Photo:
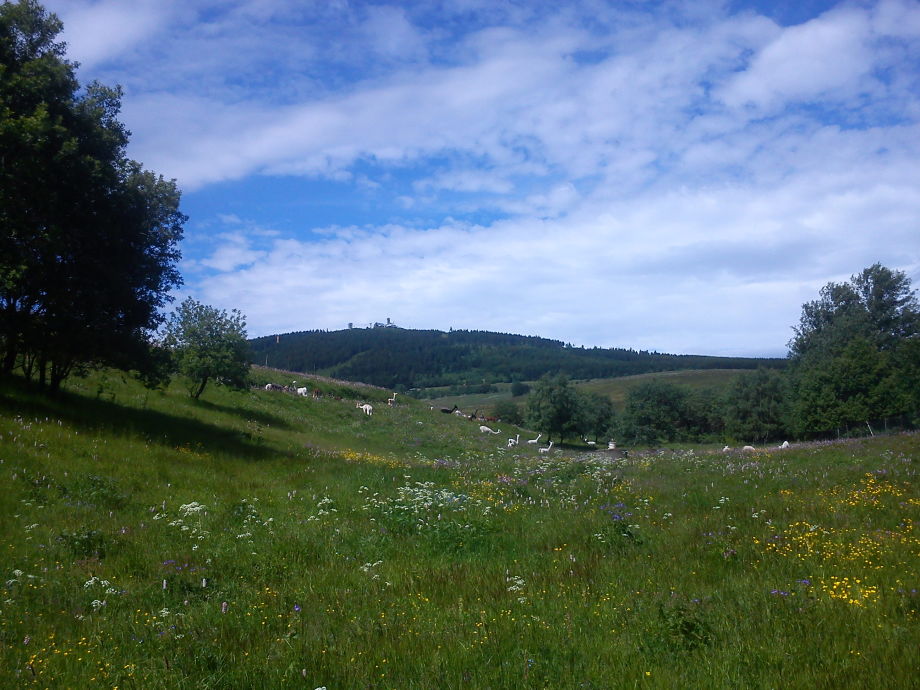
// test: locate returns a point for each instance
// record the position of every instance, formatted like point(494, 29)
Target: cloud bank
point(650, 175)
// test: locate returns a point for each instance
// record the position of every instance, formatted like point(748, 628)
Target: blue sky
point(672, 176)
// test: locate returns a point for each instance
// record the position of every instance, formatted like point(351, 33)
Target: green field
point(260, 539)
point(693, 379)
point(616, 388)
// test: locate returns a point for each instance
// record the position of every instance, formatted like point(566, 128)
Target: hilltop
point(406, 359)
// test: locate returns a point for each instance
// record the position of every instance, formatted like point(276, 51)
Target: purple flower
point(297, 607)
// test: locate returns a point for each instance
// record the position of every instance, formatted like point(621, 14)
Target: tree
point(508, 411)
point(207, 344)
point(654, 412)
point(553, 406)
point(518, 388)
point(596, 416)
point(851, 354)
point(89, 241)
point(756, 406)
point(877, 303)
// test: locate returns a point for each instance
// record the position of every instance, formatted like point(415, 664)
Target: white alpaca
point(514, 441)
point(726, 449)
point(536, 440)
point(485, 429)
point(547, 449)
point(303, 391)
point(367, 409)
point(590, 443)
point(748, 449)
point(392, 401)
point(785, 444)
point(611, 445)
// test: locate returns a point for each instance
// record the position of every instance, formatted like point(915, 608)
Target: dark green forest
point(405, 359)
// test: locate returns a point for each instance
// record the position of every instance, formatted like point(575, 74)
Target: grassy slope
point(695, 379)
point(257, 539)
point(616, 388)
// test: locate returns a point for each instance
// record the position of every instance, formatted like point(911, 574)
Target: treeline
point(854, 369)
point(404, 359)
point(89, 239)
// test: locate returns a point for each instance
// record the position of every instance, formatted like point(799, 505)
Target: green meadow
point(263, 539)
point(616, 388)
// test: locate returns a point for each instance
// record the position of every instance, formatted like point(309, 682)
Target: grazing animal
point(273, 387)
point(485, 429)
point(611, 445)
point(590, 443)
point(726, 449)
point(785, 444)
point(514, 441)
point(303, 391)
point(748, 449)
point(547, 449)
point(536, 440)
point(368, 409)
point(447, 410)
point(392, 401)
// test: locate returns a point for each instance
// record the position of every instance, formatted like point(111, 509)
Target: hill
point(420, 359)
point(614, 388)
point(261, 539)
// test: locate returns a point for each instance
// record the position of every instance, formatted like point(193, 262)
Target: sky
point(670, 176)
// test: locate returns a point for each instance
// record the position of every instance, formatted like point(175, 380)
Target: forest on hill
point(405, 359)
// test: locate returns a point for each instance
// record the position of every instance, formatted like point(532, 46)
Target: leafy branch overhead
point(89, 247)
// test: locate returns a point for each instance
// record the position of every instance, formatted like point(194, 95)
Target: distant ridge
point(396, 357)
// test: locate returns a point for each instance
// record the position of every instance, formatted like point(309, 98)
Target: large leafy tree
point(655, 411)
point(877, 303)
point(853, 350)
point(88, 239)
point(208, 344)
point(756, 406)
point(596, 416)
point(553, 406)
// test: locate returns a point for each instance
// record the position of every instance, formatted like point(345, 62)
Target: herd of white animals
point(368, 409)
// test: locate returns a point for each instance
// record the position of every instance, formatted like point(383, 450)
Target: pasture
point(262, 539)
point(615, 388)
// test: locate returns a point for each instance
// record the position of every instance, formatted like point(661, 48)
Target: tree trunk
point(204, 382)
point(9, 358)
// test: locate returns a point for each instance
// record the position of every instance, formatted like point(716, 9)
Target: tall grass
point(259, 539)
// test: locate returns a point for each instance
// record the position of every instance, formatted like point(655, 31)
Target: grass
point(692, 379)
point(260, 539)
point(615, 388)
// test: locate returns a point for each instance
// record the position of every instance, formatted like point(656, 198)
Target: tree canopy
point(89, 241)
point(854, 353)
point(208, 344)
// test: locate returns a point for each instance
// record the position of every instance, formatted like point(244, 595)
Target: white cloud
point(105, 29)
point(232, 252)
point(665, 180)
